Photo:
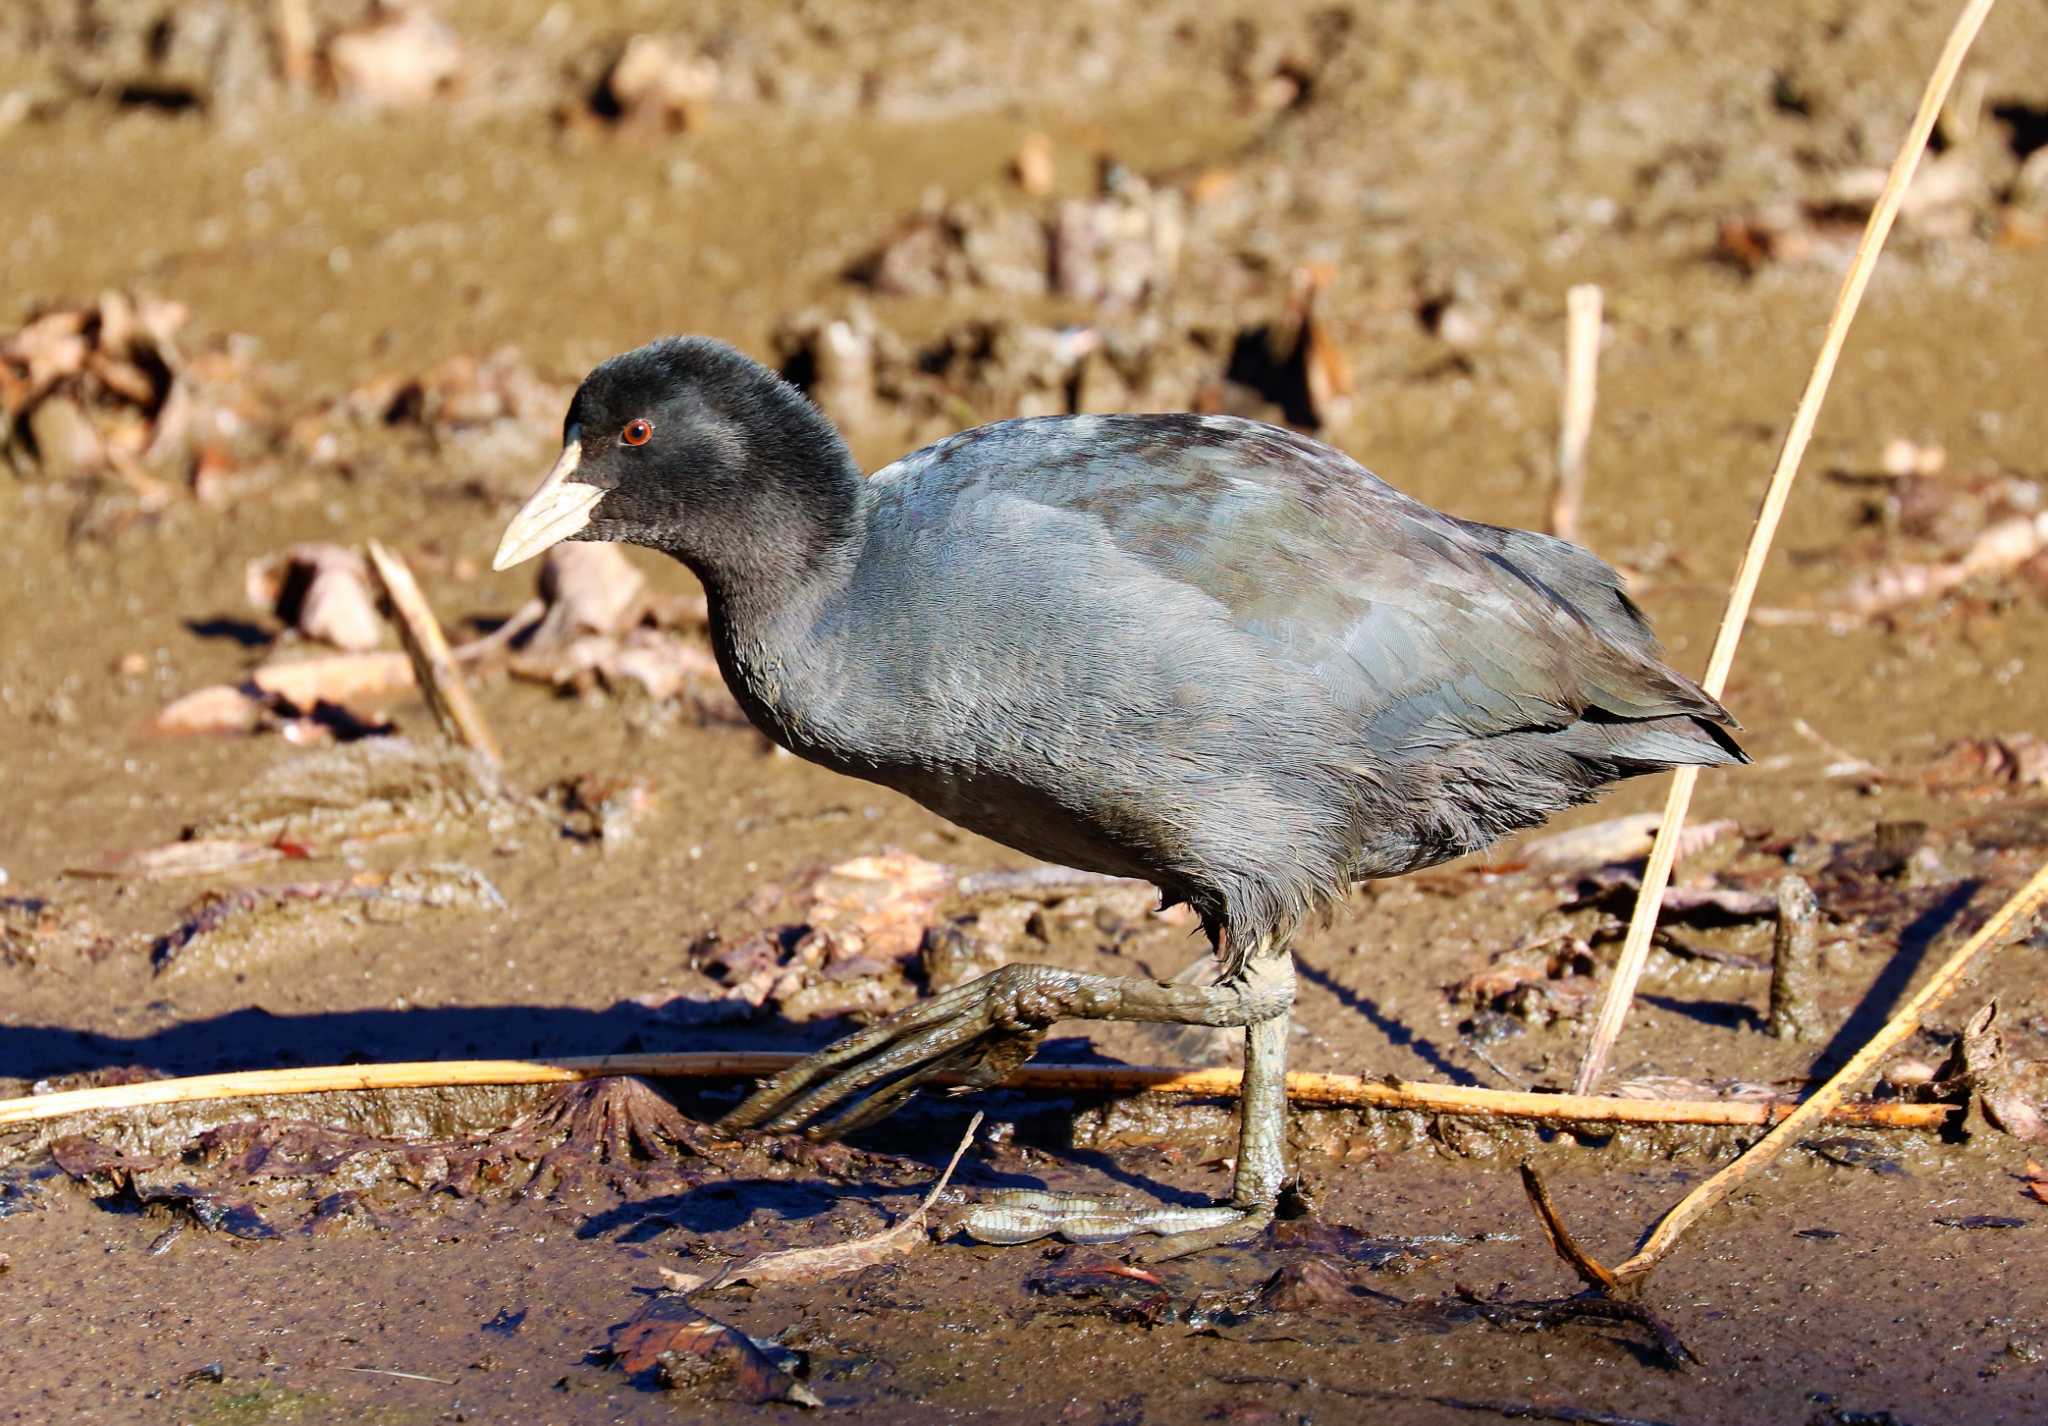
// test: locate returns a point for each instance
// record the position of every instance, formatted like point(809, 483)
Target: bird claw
point(972, 1032)
point(1023, 1215)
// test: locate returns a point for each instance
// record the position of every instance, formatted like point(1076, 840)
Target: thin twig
point(1636, 948)
point(1325, 1090)
point(1846, 763)
point(1592, 1272)
point(294, 43)
point(1627, 1278)
point(1581, 380)
point(440, 678)
point(832, 1259)
point(1765, 1151)
point(404, 1376)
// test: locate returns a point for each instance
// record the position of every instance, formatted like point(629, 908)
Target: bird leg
point(984, 1029)
point(1021, 1215)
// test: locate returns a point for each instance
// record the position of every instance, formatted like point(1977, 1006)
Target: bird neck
point(803, 535)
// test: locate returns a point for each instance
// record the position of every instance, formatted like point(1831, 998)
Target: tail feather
point(1651, 745)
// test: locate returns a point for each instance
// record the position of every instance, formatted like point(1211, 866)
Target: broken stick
point(831, 1259)
point(1332, 1090)
point(1581, 381)
point(447, 692)
point(1642, 924)
point(1627, 1277)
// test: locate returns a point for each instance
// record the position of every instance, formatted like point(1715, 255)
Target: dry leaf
point(2036, 1185)
point(1997, 550)
point(402, 56)
point(220, 708)
point(1617, 839)
point(683, 1348)
point(654, 82)
point(838, 1259)
point(201, 856)
point(2016, 760)
point(878, 906)
point(2009, 1091)
point(335, 678)
point(322, 590)
point(588, 589)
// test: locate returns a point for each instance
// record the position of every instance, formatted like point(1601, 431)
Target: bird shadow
point(723, 1206)
point(1885, 992)
point(1393, 1031)
point(255, 1038)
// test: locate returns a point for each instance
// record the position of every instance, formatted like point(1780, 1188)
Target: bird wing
point(1429, 630)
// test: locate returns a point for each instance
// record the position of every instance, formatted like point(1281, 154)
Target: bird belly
point(1026, 819)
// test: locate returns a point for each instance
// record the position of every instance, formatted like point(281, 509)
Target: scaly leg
point(987, 1027)
point(1021, 1215)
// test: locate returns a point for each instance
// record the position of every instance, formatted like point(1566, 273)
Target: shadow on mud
point(254, 1038)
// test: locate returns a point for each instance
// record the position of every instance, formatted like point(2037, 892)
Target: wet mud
point(278, 280)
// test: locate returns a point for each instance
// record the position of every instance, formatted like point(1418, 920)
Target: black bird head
point(689, 447)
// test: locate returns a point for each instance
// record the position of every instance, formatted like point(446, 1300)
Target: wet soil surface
point(389, 270)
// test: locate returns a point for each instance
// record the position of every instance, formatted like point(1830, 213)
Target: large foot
point(1023, 1215)
point(980, 1032)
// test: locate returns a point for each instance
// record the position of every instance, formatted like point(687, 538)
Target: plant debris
point(1544, 982)
point(612, 1134)
point(107, 389)
point(1989, 766)
point(401, 54)
point(2034, 1182)
point(865, 922)
point(657, 85)
point(672, 1345)
point(1617, 839)
point(2008, 1094)
point(830, 1260)
point(234, 928)
point(322, 591)
point(34, 928)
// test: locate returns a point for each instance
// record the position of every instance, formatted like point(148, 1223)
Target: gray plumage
point(1199, 650)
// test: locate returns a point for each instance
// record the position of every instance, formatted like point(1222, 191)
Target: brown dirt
point(1438, 158)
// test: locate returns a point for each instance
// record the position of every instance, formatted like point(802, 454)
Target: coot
point(1200, 650)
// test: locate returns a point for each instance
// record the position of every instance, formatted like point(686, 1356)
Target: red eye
point(636, 433)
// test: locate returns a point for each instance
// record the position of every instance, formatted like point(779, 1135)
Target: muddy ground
point(1025, 208)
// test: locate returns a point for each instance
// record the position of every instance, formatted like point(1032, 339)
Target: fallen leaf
point(587, 589)
point(2017, 760)
point(2009, 1091)
point(654, 82)
point(683, 1347)
point(1618, 839)
point(878, 906)
point(1997, 550)
point(837, 1259)
point(220, 708)
point(1033, 165)
point(200, 856)
point(2035, 1184)
point(404, 55)
point(322, 590)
